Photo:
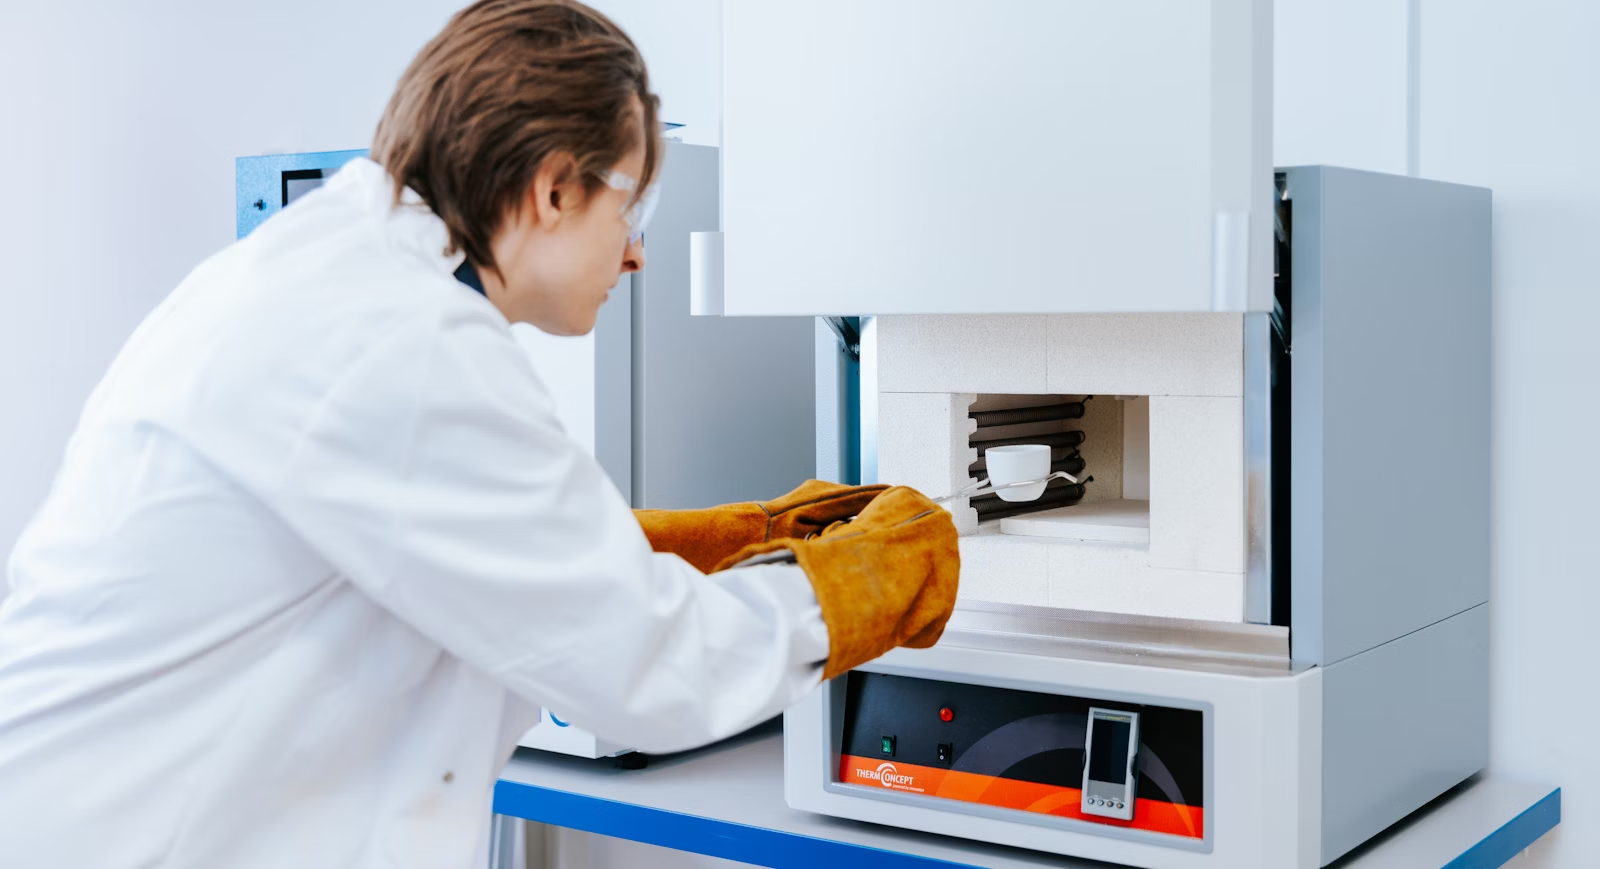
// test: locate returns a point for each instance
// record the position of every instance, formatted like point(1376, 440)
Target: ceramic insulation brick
point(927, 353)
point(995, 568)
point(1102, 577)
point(922, 443)
point(1120, 579)
point(934, 369)
point(1146, 354)
point(1197, 483)
point(1099, 354)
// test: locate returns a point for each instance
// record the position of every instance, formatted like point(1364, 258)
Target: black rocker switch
point(946, 750)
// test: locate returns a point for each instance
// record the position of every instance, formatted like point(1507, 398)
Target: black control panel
point(1012, 748)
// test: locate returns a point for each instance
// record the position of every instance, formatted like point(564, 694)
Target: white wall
point(120, 124)
point(1508, 98)
point(1339, 84)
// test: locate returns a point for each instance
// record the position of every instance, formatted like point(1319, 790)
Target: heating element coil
point(1018, 416)
point(1064, 455)
point(1057, 439)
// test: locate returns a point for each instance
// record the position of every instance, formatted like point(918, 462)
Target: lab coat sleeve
point(436, 477)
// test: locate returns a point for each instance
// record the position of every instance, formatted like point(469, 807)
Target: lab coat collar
point(467, 274)
point(411, 225)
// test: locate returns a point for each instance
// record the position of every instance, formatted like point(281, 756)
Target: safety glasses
point(639, 211)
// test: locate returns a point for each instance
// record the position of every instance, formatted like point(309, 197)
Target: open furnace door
point(1017, 156)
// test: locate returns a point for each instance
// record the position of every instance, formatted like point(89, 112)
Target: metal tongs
point(983, 486)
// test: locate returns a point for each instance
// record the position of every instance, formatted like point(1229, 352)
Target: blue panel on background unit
point(260, 186)
point(259, 182)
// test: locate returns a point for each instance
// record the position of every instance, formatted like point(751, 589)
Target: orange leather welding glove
point(705, 537)
point(888, 578)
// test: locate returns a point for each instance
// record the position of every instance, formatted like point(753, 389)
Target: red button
point(946, 714)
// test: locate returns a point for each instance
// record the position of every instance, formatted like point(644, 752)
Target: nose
point(633, 256)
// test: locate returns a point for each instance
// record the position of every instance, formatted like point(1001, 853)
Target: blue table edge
point(1497, 848)
point(778, 848)
point(684, 832)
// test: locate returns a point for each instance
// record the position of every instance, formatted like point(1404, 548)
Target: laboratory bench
point(726, 801)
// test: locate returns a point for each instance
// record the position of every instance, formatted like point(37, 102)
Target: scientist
point(319, 547)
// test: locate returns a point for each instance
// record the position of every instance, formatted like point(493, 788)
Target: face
point(561, 253)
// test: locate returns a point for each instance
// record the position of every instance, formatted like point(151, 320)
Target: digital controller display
point(1108, 752)
point(1109, 781)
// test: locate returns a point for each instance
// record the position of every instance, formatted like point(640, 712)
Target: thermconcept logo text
point(886, 775)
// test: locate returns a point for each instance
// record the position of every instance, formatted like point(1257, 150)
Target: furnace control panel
point(1138, 766)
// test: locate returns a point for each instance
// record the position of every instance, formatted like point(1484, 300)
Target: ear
point(554, 192)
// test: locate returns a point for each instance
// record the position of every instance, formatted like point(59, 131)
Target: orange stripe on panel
point(1063, 802)
point(1163, 817)
point(1014, 794)
point(1153, 815)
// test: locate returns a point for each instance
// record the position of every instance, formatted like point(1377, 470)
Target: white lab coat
point(317, 552)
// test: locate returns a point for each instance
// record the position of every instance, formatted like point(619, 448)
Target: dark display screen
point(1108, 750)
point(299, 182)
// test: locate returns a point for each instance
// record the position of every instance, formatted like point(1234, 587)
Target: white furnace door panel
point(1019, 156)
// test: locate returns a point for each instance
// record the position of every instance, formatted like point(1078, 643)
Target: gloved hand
point(706, 537)
point(886, 579)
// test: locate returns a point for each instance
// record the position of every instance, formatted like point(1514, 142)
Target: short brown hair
point(505, 86)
